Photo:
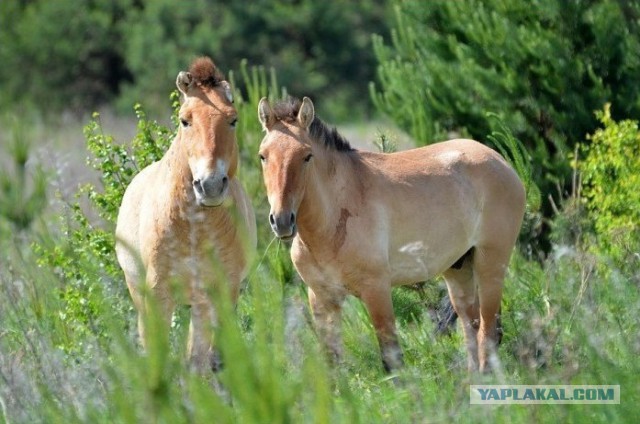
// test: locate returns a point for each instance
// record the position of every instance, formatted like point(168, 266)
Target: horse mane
point(287, 111)
point(205, 73)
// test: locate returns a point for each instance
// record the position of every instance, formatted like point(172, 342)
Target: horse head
point(286, 155)
point(207, 130)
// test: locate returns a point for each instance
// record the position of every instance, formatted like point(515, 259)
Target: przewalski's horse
point(364, 222)
point(185, 222)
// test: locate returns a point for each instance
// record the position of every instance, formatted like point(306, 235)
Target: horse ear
point(265, 114)
point(184, 81)
point(228, 93)
point(306, 113)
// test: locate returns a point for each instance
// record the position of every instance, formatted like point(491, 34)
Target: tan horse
point(185, 221)
point(364, 222)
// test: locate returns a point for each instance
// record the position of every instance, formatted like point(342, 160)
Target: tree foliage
point(61, 55)
point(543, 66)
point(79, 54)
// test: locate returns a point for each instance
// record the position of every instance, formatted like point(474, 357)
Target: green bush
point(611, 177)
point(85, 260)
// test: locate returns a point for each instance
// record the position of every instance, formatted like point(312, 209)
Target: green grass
point(274, 370)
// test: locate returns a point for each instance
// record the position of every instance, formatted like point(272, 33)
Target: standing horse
point(186, 218)
point(364, 222)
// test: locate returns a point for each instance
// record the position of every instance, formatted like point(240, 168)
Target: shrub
point(85, 261)
point(611, 177)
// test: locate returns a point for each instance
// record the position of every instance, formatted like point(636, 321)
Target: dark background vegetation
point(81, 54)
point(563, 77)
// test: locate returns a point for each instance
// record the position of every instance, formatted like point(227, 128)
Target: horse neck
point(326, 191)
point(178, 174)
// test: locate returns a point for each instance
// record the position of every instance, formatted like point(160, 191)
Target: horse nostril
point(272, 220)
point(293, 218)
point(225, 180)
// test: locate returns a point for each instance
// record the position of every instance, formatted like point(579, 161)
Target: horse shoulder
point(320, 274)
point(135, 210)
point(128, 242)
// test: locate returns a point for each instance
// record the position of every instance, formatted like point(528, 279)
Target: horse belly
point(417, 253)
point(413, 263)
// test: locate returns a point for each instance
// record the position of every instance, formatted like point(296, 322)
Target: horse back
point(432, 204)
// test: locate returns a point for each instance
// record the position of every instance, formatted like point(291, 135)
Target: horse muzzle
point(211, 191)
point(283, 225)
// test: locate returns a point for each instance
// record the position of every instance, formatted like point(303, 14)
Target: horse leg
point(138, 301)
point(377, 299)
point(463, 295)
point(201, 351)
point(327, 315)
point(135, 278)
point(156, 312)
point(200, 342)
point(489, 268)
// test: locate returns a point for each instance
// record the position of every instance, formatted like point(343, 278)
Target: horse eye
point(234, 122)
point(184, 122)
point(308, 158)
point(262, 158)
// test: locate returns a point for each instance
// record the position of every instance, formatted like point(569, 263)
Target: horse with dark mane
point(363, 222)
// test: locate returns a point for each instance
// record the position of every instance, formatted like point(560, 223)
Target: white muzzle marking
point(210, 186)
